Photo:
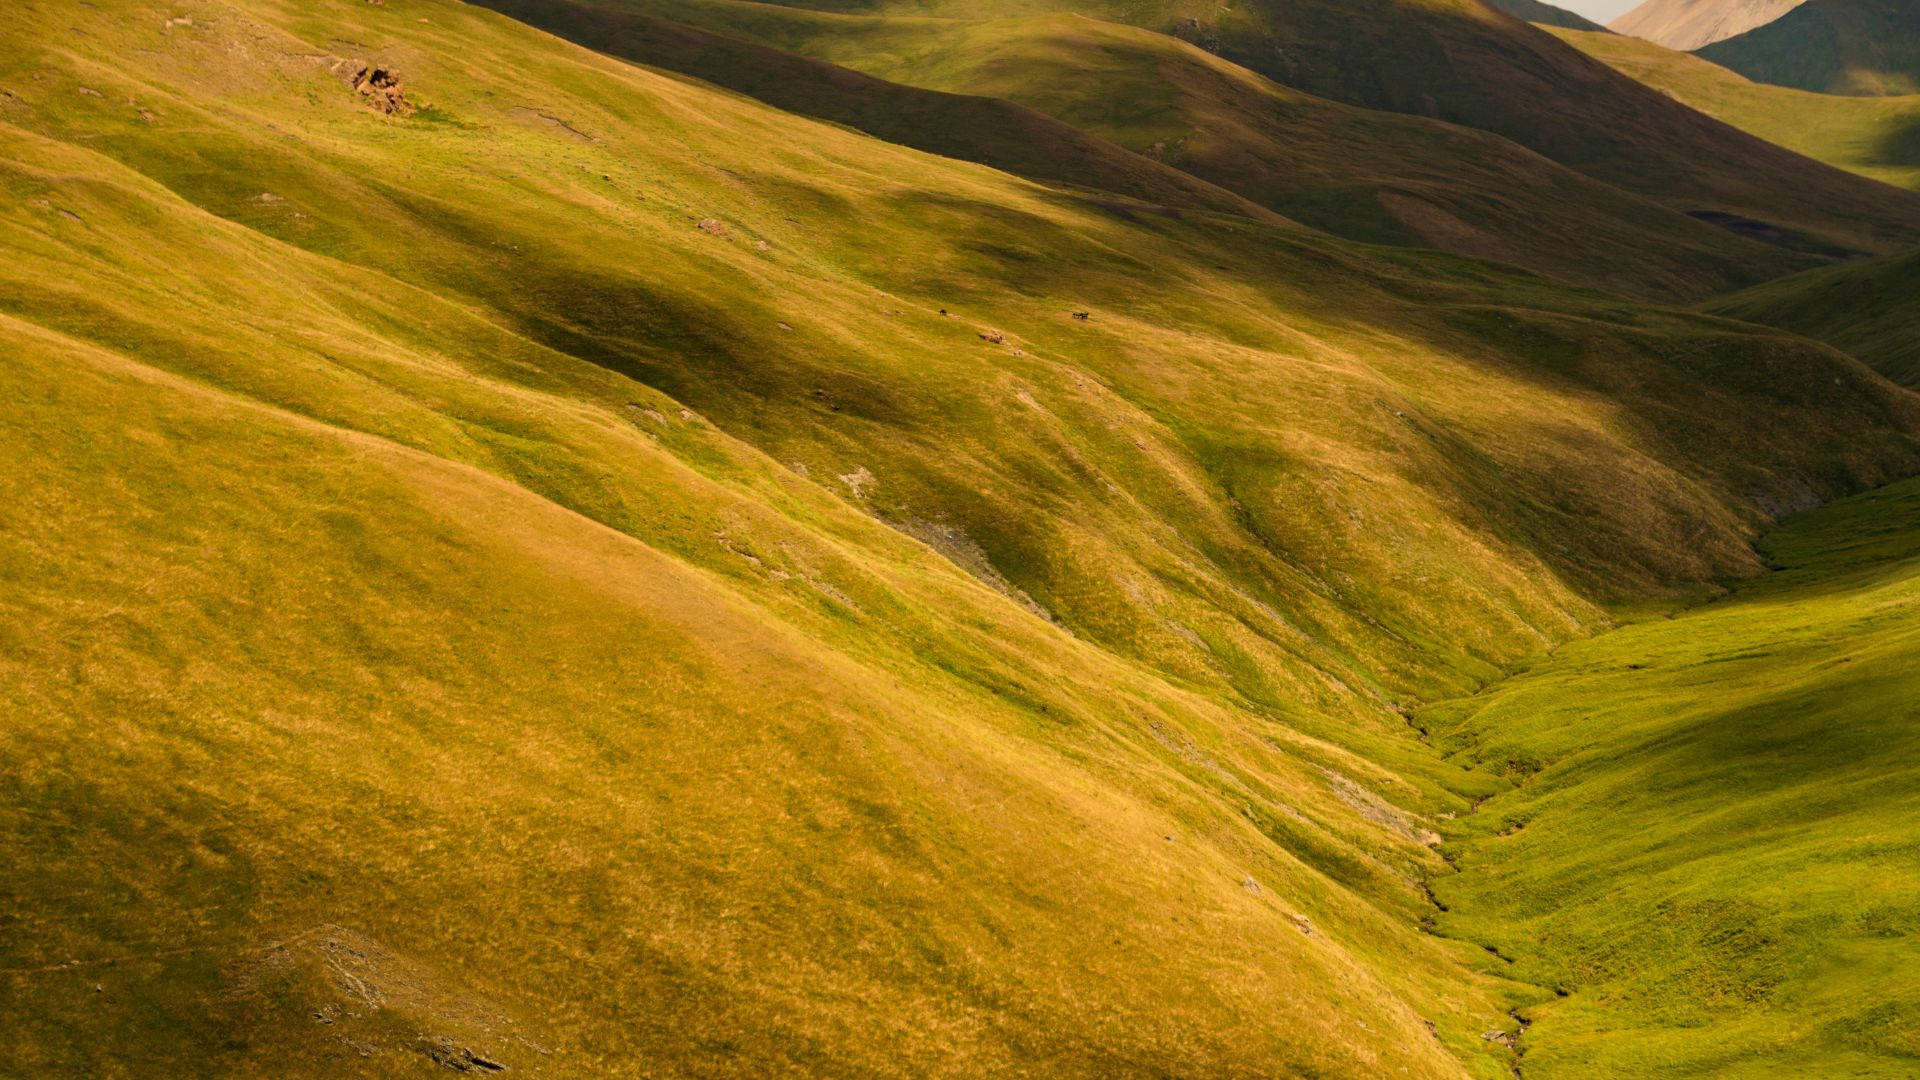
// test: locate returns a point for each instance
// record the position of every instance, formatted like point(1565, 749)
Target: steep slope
point(1362, 174)
point(1869, 309)
point(1877, 137)
point(1832, 47)
point(1534, 11)
point(1459, 61)
point(988, 130)
point(1445, 58)
point(523, 559)
point(1686, 25)
point(1709, 840)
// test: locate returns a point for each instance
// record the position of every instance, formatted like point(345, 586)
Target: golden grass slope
point(756, 784)
point(1877, 137)
point(464, 596)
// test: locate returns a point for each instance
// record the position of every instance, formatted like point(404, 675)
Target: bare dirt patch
point(379, 86)
point(362, 1000)
point(961, 550)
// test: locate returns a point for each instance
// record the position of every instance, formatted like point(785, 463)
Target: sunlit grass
point(464, 575)
point(1711, 840)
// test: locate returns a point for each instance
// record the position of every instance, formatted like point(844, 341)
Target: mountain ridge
point(1458, 61)
point(1370, 176)
point(1535, 11)
point(1686, 25)
point(1831, 47)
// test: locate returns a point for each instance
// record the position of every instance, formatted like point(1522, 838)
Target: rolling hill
point(1867, 309)
point(1685, 25)
point(1459, 62)
point(1877, 137)
point(1831, 47)
point(518, 560)
point(1363, 174)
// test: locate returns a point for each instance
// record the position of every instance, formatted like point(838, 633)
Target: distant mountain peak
point(1687, 25)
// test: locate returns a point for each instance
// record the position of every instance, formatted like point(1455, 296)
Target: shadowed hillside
point(984, 129)
point(1458, 61)
point(1873, 136)
point(1534, 11)
point(1870, 309)
point(1366, 175)
point(1832, 47)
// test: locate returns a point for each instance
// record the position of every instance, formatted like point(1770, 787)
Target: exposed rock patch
point(857, 481)
point(379, 86)
point(1378, 810)
point(366, 1001)
point(961, 550)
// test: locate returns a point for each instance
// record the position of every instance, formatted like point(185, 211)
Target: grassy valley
point(760, 551)
point(1707, 848)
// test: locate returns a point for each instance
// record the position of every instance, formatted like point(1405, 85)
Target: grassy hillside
point(988, 130)
point(1688, 24)
point(1709, 841)
point(1831, 46)
point(1367, 175)
point(1458, 61)
point(532, 560)
point(1868, 309)
point(1534, 11)
point(408, 680)
point(1877, 137)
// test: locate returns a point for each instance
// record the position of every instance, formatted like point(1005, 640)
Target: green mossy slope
point(1710, 839)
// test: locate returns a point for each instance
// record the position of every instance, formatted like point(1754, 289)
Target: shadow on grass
point(1900, 146)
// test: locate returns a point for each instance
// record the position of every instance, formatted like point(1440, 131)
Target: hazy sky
point(1600, 11)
